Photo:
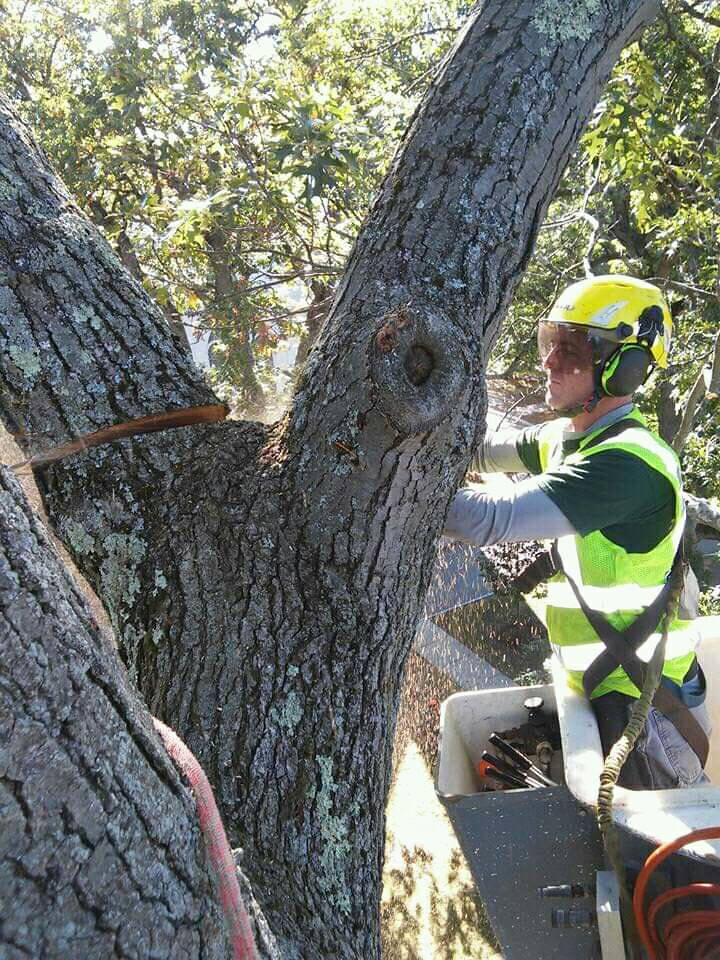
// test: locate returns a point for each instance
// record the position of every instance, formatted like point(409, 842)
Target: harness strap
point(632, 638)
point(621, 647)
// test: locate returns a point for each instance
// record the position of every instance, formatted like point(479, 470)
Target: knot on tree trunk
point(420, 368)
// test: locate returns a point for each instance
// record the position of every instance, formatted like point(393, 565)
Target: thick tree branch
point(706, 383)
point(66, 332)
point(702, 511)
point(101, 852)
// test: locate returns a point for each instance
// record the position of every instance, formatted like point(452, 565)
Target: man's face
point(567, 360)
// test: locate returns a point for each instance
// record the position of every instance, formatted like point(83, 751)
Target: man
point(608, 491)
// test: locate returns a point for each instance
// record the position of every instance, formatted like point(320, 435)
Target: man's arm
point(613, 491)
point(498, 453)
point(508, 451)
point(525, 513)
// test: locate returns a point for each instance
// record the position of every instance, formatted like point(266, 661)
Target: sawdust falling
point(430, 909)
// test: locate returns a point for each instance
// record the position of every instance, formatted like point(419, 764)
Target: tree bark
point(130, 261)
point(666, 409)
point(265, 583)
point(100, 852)
point(316, 314)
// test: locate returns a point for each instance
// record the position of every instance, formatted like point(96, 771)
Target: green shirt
point(616, 492)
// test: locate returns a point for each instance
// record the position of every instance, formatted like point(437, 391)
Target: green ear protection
point(625, 370)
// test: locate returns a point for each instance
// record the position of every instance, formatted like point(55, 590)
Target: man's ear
point(625, 370)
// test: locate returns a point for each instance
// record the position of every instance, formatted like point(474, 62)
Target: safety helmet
point(625, 322)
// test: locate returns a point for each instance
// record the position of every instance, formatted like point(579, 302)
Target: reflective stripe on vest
point(579, 656)
point(612, 581)
point(603, 599)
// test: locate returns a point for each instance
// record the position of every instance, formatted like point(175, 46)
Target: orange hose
point(682, 929)
point(699, 889)
point(706, 946)
point(651, 864)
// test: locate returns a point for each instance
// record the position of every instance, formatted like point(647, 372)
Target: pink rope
point(218, 848)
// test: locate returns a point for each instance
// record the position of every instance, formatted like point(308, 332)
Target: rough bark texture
point(100, 854)
point(130, 261)
point(265, 583)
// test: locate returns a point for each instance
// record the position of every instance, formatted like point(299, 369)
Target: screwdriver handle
point(502, 764)
point(505, 778)
point(527, 779)
point(507, 748)
point(520, 759)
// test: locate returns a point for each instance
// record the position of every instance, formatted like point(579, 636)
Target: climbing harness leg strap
point(621, 649)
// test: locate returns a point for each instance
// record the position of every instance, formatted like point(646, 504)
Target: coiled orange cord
point(692, 935)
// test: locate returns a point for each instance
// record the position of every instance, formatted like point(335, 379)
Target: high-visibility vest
point(611, 580)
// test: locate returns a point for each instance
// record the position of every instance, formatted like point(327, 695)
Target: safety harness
point(621, 645)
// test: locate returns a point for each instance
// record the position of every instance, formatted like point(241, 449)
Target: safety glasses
point(567, 348)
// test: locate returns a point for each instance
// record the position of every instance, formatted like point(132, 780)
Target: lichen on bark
point(100, 851)
point(559, 22)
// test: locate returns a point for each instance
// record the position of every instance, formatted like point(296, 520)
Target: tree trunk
point(100, 852)
point(265, 583)
point(226, 304)
point(316, 314)
point(666, 409)
point(704, 512)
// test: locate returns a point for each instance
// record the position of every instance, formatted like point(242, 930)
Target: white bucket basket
point(657, 816)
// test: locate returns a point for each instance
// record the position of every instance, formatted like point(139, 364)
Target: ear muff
point(625, 370)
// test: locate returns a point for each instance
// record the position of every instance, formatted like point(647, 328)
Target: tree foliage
point(640, 197)
point(230, 152)
point(227, 149)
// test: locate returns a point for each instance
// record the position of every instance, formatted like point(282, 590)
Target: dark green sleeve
point(528, 448)
point(615, 492)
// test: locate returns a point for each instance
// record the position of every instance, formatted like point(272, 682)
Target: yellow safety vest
point(611, 580)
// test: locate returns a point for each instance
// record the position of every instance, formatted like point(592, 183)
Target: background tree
point(640, 196)
point(226, 150)
point(264, 583)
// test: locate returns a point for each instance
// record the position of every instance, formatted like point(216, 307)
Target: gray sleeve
point(525, 513)
point(498, 454)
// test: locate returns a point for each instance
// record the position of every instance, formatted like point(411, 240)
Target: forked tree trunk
point(100, 854)
point(265, 583)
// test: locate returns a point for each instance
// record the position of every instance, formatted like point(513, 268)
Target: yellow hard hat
point(619, 309)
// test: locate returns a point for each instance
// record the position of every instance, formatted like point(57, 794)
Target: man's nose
point(550, 361)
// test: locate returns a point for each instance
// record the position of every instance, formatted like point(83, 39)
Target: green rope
point(620, 752)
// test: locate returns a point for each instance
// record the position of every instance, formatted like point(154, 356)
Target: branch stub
point(420, 368)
